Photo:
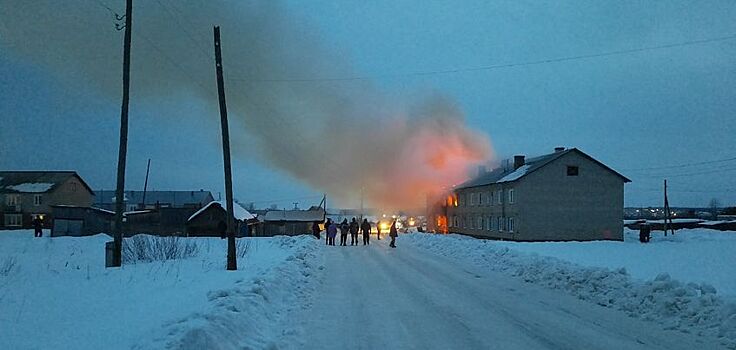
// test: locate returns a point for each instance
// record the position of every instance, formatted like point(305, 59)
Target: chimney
point(559, 149)
point(518, 161)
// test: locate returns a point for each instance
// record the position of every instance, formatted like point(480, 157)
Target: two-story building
point(564, 195)
point(25, 195)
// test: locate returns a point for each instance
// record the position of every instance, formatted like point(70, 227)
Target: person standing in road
point(378, 230)
point(327, 236)
point(393, 234)
point(316, 229)
point(365, 227)
point(344, 229)
point(353, 232)
point(331, 233)
point(37, 227)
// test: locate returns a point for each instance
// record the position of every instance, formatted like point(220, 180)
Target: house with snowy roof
point(562, 196)
point(211, 219)
point(134, 200)
point(25, 195)
point(289, 222)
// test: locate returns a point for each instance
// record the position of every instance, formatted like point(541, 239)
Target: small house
point(208, 221)
point(288, 222)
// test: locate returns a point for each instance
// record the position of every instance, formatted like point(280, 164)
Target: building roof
point(239, 213)
point(36, 181)
point(501, 175)
point(174, 198)
point(294, 215)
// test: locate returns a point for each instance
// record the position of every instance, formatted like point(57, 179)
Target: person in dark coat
point(327, 237)
point(645, 233)
point(378, 230)
point(38, 227)
point(331, 233)
point(393, 234)
point(365, 227)
point(344, 229)
point(353, 232)
point(315, 229)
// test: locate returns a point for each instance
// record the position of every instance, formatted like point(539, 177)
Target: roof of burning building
point(501, 175)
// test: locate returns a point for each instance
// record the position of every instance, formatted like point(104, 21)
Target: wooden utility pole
point(145, 185)
point(123, 150)
point(232, 263)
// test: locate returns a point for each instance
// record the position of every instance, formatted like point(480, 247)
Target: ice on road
point(376, 297)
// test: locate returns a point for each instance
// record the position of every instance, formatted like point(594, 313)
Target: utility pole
point(123, 150)
point(667, 211)
point(145, 185)
point(231, 258)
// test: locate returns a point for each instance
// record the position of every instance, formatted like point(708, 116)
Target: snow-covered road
point(381, 298)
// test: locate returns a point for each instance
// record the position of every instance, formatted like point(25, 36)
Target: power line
point(496, 66)
point(685, 165)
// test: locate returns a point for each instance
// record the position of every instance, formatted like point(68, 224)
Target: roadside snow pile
point(251, 314)
point(691, 255)
point(687, 307)
point(61, 285)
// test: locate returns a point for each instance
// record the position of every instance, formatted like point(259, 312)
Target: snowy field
point(56, 293)
point(628, 276)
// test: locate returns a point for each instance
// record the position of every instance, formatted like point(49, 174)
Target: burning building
point(564, 195)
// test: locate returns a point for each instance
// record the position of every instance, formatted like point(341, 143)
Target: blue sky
point(657, 108)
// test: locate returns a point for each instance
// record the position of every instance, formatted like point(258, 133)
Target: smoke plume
point(337, 136)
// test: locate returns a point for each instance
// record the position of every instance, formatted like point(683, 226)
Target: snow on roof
point(294, 215)
point(134, 212)
point(39, 187)
point(674, 221)
point(239, 213)
point(521, 171)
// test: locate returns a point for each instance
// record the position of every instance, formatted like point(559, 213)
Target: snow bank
point(250, 314)
point(56, 293)
point(687, 307)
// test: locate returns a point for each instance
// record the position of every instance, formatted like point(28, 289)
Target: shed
point(70, 220)
point(206, 222)
point(289, 222)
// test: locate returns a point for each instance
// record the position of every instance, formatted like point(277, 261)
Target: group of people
point(352, 228)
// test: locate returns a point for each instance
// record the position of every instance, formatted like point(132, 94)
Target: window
point(511, 196)
point(13, 219)
point(480, 198)
point(490, 223)
point(499, 196)
point(37, 199)
point(471, 222)
point(455, 221)
point(572, 170)
point(490, 198)
point(479, 223)
point(500, 223)
point(74, 187)
point(12, 199)
point(473, 198)
point(510, 224)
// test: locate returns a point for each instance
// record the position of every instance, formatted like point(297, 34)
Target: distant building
point(565, 195)
point(288, 222)
point(208, 221)
point(25, 195)
point(154, 199)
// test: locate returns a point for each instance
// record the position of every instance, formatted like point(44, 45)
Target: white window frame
point(13, 223)
point(510, 224)
point(479, 222)
point(511, 195)
point(501, 227)
point(37, 199)
point(12, 199)
point(489, 225)
point(490, 198)
point(499, 195)
point(480, 198)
